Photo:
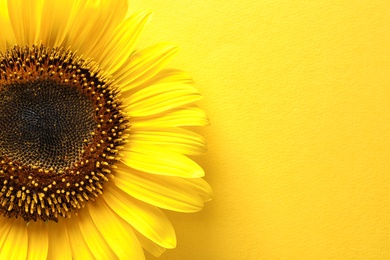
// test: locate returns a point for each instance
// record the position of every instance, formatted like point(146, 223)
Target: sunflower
point(94, 137)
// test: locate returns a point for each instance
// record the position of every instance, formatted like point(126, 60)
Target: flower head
point(93, 139)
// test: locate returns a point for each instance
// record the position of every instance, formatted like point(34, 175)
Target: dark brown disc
point(62, 126)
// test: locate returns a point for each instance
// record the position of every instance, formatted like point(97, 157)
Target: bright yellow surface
point(298, 93)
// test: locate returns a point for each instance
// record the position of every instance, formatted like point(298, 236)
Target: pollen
point(60, 116)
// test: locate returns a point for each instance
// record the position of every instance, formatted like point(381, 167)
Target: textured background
point(298, 93)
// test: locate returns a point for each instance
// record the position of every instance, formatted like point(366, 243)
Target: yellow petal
point(25, 17)
point(122, 240)
point(149, 245)
point(56, 20)
point(59, 247)
point(163, 76)
point(5, 225)
point(93, 23)
point(200, 186)
point(121, 45)
point(95, 241)
point(147, 219)
point(7, 38)
point(143, 65)
point(79, 247)
point(173, 76)
point(15, 244)
point(157, 160)
point(38, 240)
point(189, 116)
point(173, 139)
point(161, 191)
point(160, 98)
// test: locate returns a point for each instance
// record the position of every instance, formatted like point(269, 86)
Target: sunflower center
point(44, 123)
point(61, 129)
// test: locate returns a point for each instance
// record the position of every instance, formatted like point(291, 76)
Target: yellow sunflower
point(93, 137)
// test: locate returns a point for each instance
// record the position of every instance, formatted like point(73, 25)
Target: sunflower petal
point(149, 245)
point(189, 116)
point(200, 186)
point(144, 64)
point(161, 97)
point(7, 38)
point(5, 226)
point(94, 22)
point(147, 219)
point(38, 241)
point(121, 45)
point(56, 21)
point(173, 76)
point(173, 139)
point(121, 240)
point(95, 241)
point(25, 20)
point(157, 160)
point(17, 235)
point(80, 248)
point(161, 191)
point(58, 241)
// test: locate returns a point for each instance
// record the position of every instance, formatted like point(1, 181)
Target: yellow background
point(298, 93)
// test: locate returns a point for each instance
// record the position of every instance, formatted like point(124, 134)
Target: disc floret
point(70, 129)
